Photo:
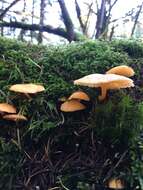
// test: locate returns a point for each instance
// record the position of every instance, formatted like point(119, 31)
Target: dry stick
point(36, 173)
point(64, 187)
point(120, 160)
point(18, 137)
point(54, 188)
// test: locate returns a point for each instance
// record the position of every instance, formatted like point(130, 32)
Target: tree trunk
point(2, 29)
point(136, 19)
point(22, 32)
point(41, 23)
point(67, 21)
point(32, 18)
point(101, 14)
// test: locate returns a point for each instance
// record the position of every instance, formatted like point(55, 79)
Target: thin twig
point(61, 183)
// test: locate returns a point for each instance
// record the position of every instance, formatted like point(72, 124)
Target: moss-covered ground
point(74, 151)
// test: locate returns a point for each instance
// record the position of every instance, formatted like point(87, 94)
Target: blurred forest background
point(62, 21)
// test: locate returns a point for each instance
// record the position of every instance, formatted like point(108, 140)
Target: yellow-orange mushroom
point(122, 70)
point(27, 88)
point(72, 106)
point(105, 82)
point(79, 95)
point(5, 107)
point(116, 184)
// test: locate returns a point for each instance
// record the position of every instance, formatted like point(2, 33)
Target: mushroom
point(105, 82)
point(27, 88)
point(71, 106)
point(116, 184)
point(7, 108)
point(79, 95)
point(16, 118)
point(122, 70)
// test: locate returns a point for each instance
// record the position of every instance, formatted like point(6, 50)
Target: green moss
point(110, 127)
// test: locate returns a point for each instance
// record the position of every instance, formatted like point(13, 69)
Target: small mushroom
point(16, 118)
point(79, 95)
point(72, 106)
point(27, 88)
point(7, 108)
point(116, 184)
point(122, 70)
point(105, 82)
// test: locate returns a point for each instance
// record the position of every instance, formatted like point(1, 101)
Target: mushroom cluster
point(73, 103)
point(116, 78)
point(8, 112)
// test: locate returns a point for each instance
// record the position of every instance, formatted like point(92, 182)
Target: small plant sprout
point(122, 70)
point(79, 95)
point(72, 106)
point(27, 88)
point(62, 99)
point(105, 82)
point(17, 118)
point(116, 184)
point(7, 108)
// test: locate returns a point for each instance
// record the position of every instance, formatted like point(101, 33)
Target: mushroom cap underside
point(15, 117)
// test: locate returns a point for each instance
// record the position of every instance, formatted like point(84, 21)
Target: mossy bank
point(79, 150)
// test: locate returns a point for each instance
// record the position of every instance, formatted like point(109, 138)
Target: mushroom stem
point(103, 93)
point(28, 96)
point(18, 138)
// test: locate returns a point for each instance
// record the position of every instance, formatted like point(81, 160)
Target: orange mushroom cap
point(15, 117)
point(27, 88)
point(4, 107)
point(122, 70)
point(105, 81)
point(71, 106)
point(79, 95)
point(116, 184)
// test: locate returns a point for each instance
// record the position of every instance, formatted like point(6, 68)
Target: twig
point(61, 183)
point(117, 164)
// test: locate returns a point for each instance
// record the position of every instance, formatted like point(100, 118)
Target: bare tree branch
point(88, 15)
point(7, 9)
point(35, 27)
point(78, 12)
point(110, 8)
point(89, 5)
point(67, 21)
point(112, 5)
